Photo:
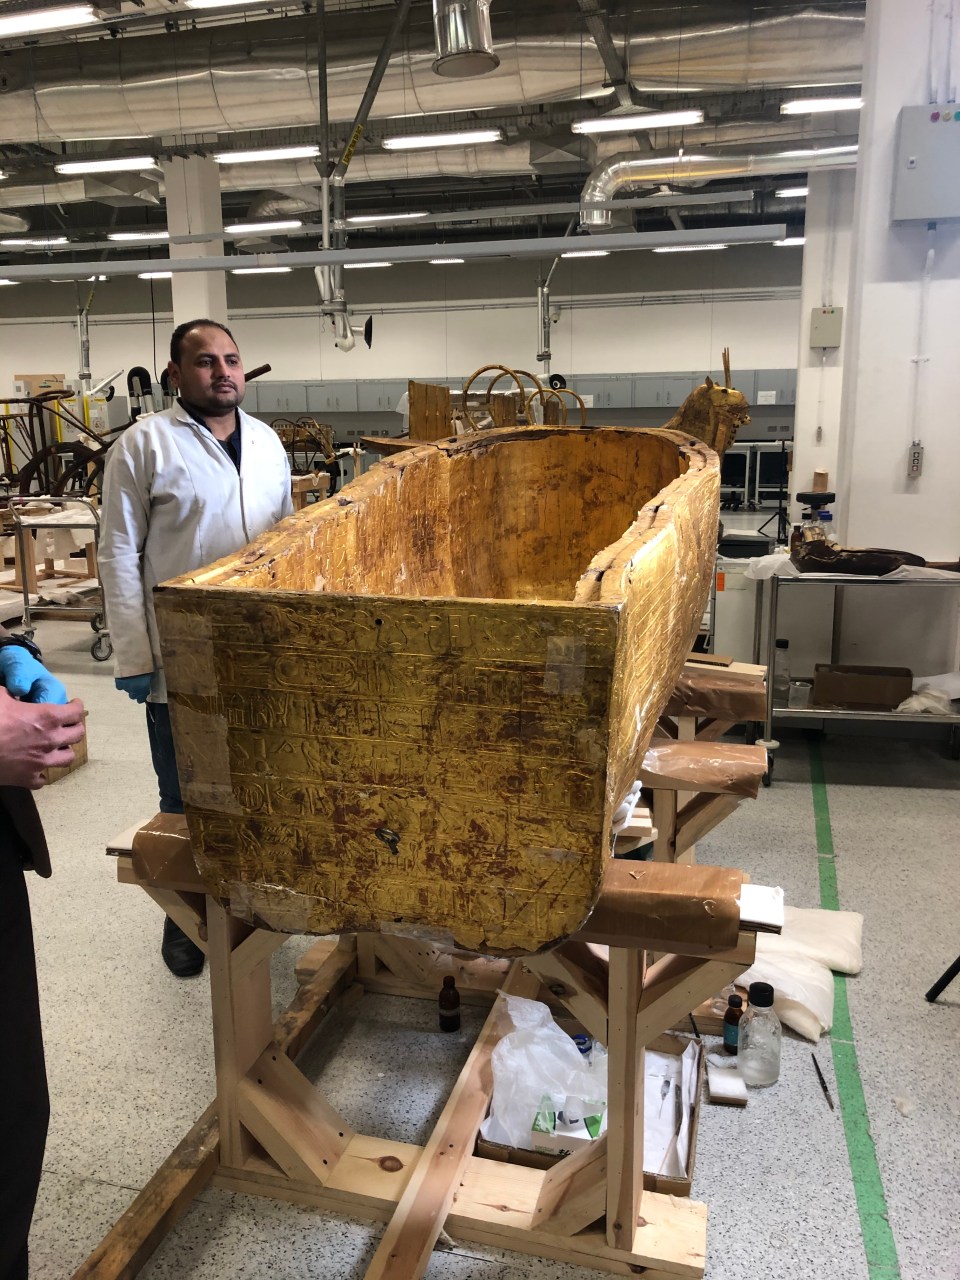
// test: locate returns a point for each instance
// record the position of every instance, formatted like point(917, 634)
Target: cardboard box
point(34, 384)
point(651, 1181)
point(858, 688)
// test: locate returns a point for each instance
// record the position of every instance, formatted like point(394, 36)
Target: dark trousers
point(164, 757)
point(24, 1102)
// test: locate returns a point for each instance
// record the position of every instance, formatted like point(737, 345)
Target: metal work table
point(770, 599)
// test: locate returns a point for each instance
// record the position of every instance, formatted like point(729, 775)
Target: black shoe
point(181, 956)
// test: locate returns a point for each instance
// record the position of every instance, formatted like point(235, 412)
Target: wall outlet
point(915, 460)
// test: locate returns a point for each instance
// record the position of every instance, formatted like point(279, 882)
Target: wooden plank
point(158, 1207)
point(572, 976)
point(496, 1203)
point(404, 1251)
point(314, 959)
point(256, 950)
point(366, 1182)
point(429, 411)
point(624, 1167)
point(242, 1025)
point(332, 986)
point(290, 1119)
point(574, 1192)
point(699, 816)
point(186, 910)
point(676, 984)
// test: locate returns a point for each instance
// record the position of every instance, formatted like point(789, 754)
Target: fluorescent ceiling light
point(817, 151)
point(305, 152)
point(154, 275)
point(371, 219)
point(362, 266)
point(809, 106)
point(426, 141)
point(23, 24)
point(689, 248)
point(219, 4)
point(121, 164)
point(257, 271)
point(586, 253)
point(243, 228)
point(36, 242)
point(786, 192)
point(9, 281)
point(638, 120)
point(791, 242)
point(138, 235)
point(2, 175)
point(444, 262)
point(96, 277)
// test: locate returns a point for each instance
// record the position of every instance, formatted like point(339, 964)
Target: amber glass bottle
point(449, 1001)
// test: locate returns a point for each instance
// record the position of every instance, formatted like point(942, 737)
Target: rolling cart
point(35, 514)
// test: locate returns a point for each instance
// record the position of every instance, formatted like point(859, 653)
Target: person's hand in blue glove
point(25, 678)
point(135, 687)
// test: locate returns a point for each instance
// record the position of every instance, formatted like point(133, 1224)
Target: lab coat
point(172, 502)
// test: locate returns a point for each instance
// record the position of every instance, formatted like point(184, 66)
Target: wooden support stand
point(271, 1133)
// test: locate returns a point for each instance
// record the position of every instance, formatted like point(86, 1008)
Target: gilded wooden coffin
point(416, 706)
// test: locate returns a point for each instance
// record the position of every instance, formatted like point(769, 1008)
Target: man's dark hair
point(181, 331)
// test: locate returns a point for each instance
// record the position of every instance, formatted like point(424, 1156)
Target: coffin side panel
point(433, 767)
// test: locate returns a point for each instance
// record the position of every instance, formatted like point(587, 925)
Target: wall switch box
point(915, 460)
point(826, 326)
point(926, 173)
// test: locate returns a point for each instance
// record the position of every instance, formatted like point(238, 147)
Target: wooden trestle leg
point(272, 1133)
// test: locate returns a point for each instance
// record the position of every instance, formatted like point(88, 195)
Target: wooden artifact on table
point(419, 708)
point(713, 413)
point(429, 411)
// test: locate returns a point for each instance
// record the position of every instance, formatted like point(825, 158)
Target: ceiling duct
point(12, 222)
point(625, 173)
point(263, 75)
point(463, 38)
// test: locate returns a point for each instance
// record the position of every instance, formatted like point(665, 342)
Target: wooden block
point(79, 758)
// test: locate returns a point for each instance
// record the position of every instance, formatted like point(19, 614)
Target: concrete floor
point(130, 1061)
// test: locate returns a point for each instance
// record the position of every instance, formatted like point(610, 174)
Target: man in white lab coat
point(182, 488)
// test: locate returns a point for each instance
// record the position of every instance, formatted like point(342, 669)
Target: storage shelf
point(772, 587)
point(841, 713)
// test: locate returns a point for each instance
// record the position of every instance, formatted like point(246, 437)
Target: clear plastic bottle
point(760, 1035)
point(826, 520)
point(781, 673)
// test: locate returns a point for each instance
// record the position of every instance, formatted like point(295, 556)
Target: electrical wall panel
point(826, 326)
point(926, 175)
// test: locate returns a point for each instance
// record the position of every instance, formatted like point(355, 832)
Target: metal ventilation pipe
point(463, 38)
point(623, 173)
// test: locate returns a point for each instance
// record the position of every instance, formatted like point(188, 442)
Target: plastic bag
point(534, 1059)
point(925, 698)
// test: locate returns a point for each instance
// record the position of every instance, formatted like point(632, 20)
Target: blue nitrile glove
point(135, 687)
point(25, 678)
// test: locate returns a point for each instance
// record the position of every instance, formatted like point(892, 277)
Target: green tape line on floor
point(878, 1242)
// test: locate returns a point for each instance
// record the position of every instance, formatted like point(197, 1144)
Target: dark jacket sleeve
point(21, 809)
point(31, 844)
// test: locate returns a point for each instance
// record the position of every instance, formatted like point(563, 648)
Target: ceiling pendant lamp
point(464, 40)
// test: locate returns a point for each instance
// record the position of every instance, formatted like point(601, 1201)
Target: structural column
point(900, 363)
point(193, 209)
point(825, 283)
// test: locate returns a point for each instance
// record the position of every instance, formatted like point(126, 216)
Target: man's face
point(210, 373)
